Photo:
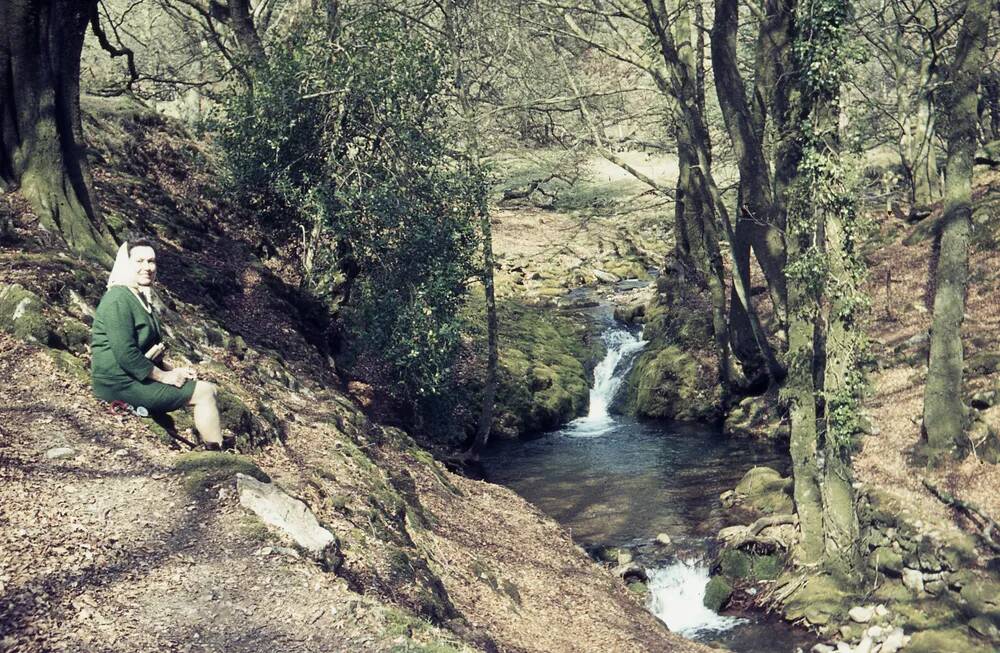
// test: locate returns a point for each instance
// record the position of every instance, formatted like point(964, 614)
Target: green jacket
point(122, 332)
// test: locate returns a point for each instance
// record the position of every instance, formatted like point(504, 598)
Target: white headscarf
point(124, 273)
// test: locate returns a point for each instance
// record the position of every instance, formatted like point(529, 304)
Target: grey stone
point(895, 641)
point(606, 277)
point(289, 515)
point(913, 580)
point(59, 453)
point(865, 645)
point(860, 614)
point(822, 648)
point(663, 539)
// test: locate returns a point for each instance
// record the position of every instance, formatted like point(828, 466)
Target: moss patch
point(205, 469)
point(819, 601)
point(21, 314)
point(543, 379)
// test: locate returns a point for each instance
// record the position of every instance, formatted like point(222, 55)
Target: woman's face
point(144, 260)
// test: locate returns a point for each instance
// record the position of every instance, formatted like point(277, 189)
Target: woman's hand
point(177, 377)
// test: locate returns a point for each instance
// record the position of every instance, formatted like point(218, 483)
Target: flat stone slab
point(286, 513)
point(60, 453)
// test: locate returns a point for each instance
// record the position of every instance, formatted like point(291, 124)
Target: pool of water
point(612, 480)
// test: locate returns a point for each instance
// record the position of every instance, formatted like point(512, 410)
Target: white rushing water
point(676, 595)
point(608, 376)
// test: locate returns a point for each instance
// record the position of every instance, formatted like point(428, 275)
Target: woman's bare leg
point(206, 413)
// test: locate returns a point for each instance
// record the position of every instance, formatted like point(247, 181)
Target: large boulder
point(766, 491)
point(669, 383)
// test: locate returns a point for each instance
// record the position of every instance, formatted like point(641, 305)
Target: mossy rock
point(251, 430)
point(735, 563)
point(417, 587)
point(767, 567)
point(205, 469)
point(766, 490)
point(543, 377)
point(639, 588)
point(717, 593)
point(949, 640)
point(819, 601)
point(928, 614)
point(887, 560)
point(668, 384)
point(21, 314)
point(72, 335)
point(982, 599)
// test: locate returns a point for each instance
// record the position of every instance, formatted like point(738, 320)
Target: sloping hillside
point(112, 540)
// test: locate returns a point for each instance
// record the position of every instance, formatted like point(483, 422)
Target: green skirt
point(154, 396)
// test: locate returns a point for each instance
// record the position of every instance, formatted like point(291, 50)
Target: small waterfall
point(608, 376)
point(676, 595)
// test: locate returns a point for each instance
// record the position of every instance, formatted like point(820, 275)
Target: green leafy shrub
point(341, 149)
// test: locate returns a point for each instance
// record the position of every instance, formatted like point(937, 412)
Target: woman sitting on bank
point(127, 349)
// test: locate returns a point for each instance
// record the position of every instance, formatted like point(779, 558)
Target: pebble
point(59, 453)
point(663, 539)
point(864, 646)
point(881, 610)
point(861, 615)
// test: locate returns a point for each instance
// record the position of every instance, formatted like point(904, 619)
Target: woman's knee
point(204, 392)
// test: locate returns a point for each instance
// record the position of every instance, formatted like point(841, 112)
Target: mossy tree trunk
point(457, 17)
point(944, 411)
point(841, 373)
point(824, 380)
point(41, 136)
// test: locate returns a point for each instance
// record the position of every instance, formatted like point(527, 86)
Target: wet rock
point(631, 573)
point(766, 490)
point(717, 593)
point(663, 539)
point(60, 453)
point(290, 516)
point(861, 614)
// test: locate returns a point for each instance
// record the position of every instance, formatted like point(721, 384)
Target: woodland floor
point(900, 312)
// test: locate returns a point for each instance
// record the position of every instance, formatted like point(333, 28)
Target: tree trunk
point(455, 18)
point(756, 215)
point(41, 136)
point(840, 365)
point(944, 412)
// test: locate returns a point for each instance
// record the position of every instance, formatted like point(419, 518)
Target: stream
point(612, 480)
